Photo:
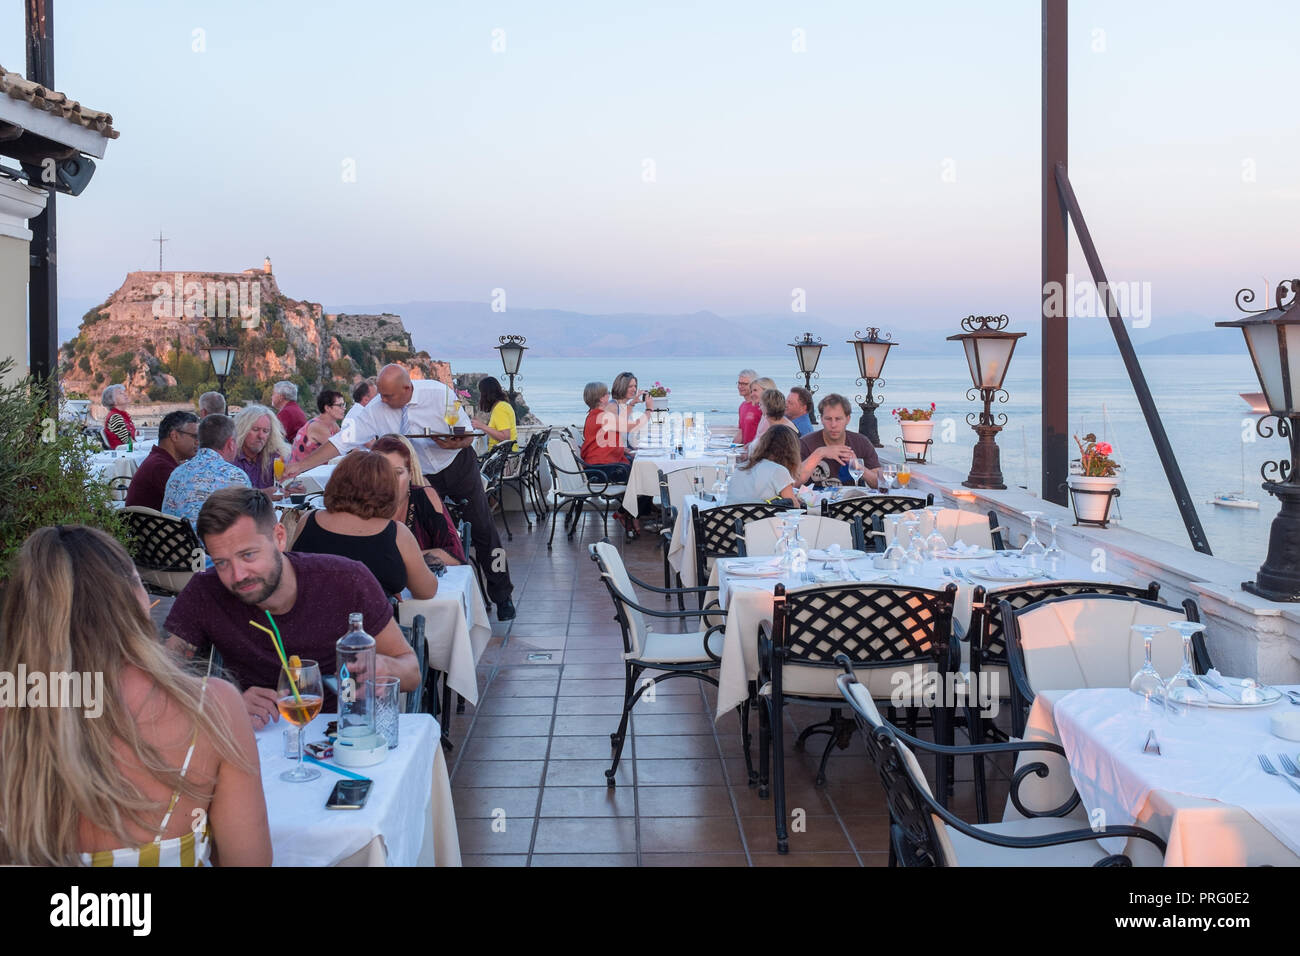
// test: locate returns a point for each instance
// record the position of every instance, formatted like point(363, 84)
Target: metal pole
point(43, 286)
point(1055, 262)
point(1149, 411)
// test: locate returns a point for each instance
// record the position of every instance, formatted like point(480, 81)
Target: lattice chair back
point(883, 629)
point(164, 548)
point(869, 506)
point(762, 535)
point(415, 637)
point(533, 453)
point(1087, 640)
point(988, 634)
point(566, 473)
point(955, 525)
point(616, 579)
point(494, 463)
point(681, 482)
point(715, 530)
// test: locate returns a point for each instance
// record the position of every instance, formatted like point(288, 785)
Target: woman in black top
point(359, 497)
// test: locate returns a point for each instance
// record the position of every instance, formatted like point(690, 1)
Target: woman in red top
point(118, 427)
point(604, 448)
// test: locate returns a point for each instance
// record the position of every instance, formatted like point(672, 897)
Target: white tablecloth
point(644, 476)
point(315, 479)
point(1205, 794)
point(457, 628)
point(409, 811)
point(749, 603)
point(119, 463)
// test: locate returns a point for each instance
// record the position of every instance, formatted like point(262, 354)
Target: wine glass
point(1147, 683)
point(1053, 556)
point(857, 468)
point(914, 557)
point(1188, 699)
point(935, 541)
point(1033, 548)
point(299, 697)
point(904, 474)
point(452, 415)
point(277, 468)
point(894, 554)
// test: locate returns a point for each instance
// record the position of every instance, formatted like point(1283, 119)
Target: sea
point(1210, 426)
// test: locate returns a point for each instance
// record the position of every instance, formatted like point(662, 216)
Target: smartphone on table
point(349, 795)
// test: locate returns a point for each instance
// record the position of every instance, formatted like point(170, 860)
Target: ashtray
point(1285, 725)
point(885, 564)
point(364, 751)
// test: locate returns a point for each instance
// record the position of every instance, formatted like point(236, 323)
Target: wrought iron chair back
point(715, 530)
point(415, 636)
point(871, 505)
point(161, 542)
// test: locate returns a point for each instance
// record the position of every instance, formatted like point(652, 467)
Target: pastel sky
point(824, 170)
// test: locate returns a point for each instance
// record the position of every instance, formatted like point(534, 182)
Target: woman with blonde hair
point(153, 766)
point(259, 441)
point(772, 402)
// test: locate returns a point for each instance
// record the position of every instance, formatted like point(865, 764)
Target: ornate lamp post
point(988, 353)
point(222, 358)
point(1273, 340)
point(872, 352)
point(512, 350)
point(808, 350)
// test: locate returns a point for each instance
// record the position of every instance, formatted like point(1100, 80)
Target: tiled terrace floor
point(528, 766)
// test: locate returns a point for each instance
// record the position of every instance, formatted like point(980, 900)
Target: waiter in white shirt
point(406, 408)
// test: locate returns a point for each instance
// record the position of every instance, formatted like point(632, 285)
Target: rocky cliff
point(152, 332)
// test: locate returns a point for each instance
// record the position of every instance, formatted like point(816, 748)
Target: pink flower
point(1103, 448)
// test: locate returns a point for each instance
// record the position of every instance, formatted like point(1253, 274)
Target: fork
point(1269, 769)
point(1289, 765)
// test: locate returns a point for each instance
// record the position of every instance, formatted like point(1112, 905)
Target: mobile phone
point(349, 795)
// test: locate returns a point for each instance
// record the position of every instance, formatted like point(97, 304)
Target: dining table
point(643, 477)
point(746, 590)
point(119, 463)
point(408, 818)
point(1205, 792)
point(456, 626)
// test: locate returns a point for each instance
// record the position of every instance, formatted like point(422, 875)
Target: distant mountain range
point(463, 329)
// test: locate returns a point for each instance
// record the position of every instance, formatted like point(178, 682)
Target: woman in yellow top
point(501, 414)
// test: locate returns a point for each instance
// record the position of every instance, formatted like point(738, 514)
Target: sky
point(673, 157)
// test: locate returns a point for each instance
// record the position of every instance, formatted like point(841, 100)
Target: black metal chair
point(691, 654)
point(118, 486)
point(164, 548)
point(719, 532)
point(571, 486)
point(531, 473)
point(415, 637)
point(1040, 624)
point(924, 833)
point(493, 468)
point(886, 629)
point(868, 506)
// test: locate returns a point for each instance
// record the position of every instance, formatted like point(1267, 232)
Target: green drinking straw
point(276, 642)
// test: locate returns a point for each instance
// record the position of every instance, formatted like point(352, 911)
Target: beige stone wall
point(13, 302)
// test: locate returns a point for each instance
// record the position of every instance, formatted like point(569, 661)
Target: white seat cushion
point(881, 682)
point(678, 648)
point(969, 851)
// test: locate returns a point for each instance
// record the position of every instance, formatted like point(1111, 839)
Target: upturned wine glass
point(914, 556)
point(935, 541)
point(1053, 556)
point(1033, 548)
point(1189, 701)
point(1147, 683)
point(894, 554)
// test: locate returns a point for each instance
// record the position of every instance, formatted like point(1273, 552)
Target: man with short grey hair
point(750, 413)
point(284, 399)
point(212, 403)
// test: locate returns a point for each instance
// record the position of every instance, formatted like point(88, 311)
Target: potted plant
point(917, 426)
point(657, 391)
point(1092, 480)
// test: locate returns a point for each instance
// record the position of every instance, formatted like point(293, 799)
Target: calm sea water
point(1197, 396)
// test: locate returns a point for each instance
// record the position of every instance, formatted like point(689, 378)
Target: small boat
point(1256, 402)
point(1234, 499)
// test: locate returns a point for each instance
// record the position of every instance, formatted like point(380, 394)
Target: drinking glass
point(388, 704)
point(1188, 700)
point(935, 541)
point(1147, 683)
point(1033, 548)
point(277, 468)
point(299, 697)
point(894, 554)
point(914, 557)
point(857, 468)
point(904, 475)
point(452, 415)
point(1053, 556)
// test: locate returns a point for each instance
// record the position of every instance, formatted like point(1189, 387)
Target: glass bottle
point(356, 669)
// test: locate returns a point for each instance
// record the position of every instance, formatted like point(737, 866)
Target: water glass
point(388, 704)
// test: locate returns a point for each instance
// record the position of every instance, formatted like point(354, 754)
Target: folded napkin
point(1237, 690)
point(960, 549)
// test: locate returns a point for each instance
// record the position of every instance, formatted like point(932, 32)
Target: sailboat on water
point(1237, 499)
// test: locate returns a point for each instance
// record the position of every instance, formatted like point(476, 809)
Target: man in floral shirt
point(194, 480)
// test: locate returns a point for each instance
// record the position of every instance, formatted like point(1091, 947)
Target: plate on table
point(1002, 573)
point(754, 569)
point(982, 554)
point(846, 554)
point(1267, 696)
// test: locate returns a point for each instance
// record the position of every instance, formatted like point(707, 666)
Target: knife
point(1236, 699)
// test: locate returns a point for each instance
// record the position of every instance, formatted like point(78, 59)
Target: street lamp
point(222, 358)
point(808, 350)
point(1273, 340)
point(872, 352)
point(512, 350)
point(988, 353)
